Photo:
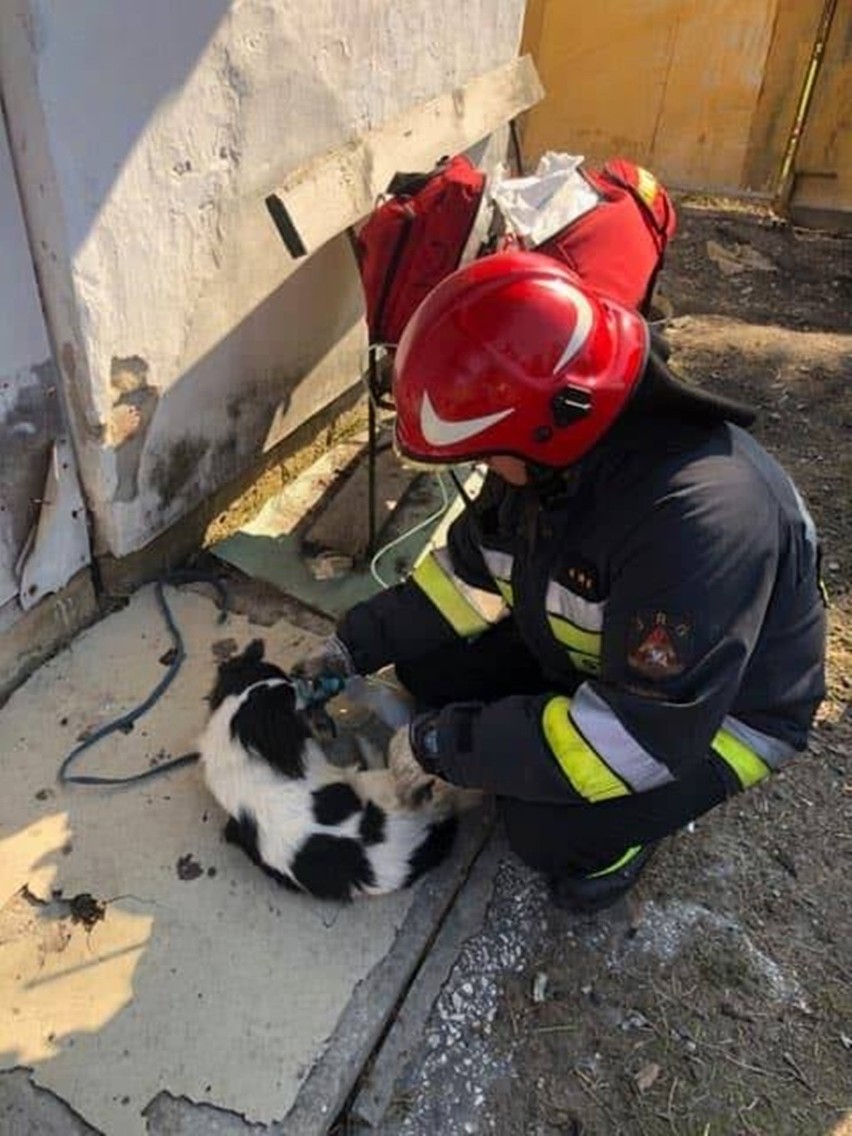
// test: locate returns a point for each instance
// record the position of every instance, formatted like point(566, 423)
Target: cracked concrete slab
point(188, 972)
point(26, 1110)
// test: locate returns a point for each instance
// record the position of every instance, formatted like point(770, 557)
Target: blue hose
point(125, 722)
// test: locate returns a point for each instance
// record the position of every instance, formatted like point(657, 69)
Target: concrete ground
point(151, 980)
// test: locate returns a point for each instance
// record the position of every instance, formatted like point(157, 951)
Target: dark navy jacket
point(668, 587)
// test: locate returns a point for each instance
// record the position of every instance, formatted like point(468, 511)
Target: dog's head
point(242, 671)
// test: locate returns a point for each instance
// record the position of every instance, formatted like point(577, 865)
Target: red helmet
point(514, 354)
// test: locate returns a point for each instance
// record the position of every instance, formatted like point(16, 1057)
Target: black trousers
point(554, 838)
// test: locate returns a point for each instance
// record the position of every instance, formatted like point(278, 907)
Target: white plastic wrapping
point(539, 205)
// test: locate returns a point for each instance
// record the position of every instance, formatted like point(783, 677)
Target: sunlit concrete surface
point(188, 971)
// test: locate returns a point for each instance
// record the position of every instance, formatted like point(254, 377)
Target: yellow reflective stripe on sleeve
point(774, 752)
point(584, 647)
point(505, 591)
point(588, 773)
point(748, 767)
point(585, 642)
point(441, 589)
point(603, 730)
point(576, 623)
point(487, 603)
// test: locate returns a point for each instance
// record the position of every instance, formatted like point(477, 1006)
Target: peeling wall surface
point(31, 423)
point(146, 137)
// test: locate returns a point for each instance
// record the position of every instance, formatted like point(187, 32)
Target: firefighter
point(626, 625)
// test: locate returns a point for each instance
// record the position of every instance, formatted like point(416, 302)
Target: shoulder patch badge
point(659, 644)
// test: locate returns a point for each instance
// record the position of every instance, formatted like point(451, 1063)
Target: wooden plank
point(824, 161)
point(40, 632)
point(323, 198)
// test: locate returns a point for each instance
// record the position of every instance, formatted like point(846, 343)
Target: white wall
point(146, 136)
point(30, 412)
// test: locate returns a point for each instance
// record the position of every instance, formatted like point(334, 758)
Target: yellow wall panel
point(824, 162)
point(597, 98)
point(717, 61)
point(670, 83)
point(793, 36)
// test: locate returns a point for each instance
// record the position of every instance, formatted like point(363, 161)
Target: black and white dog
point(334, 832)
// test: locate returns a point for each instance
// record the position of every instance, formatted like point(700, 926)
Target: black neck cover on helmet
point(661, 392)
point(660, 397)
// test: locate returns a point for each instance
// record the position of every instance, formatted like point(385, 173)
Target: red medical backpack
point(417, 235)
point(618, 246)
point(413, 239)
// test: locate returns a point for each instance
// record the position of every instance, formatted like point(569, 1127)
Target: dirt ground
point(722, 1004)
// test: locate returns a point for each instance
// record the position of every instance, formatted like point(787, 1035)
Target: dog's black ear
point(254, 652)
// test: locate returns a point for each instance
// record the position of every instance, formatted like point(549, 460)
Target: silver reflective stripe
point(499, 564)
point(773, 751)
point(807, 519)
point(486, 604)
point(619, 749)
point(582, 613)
